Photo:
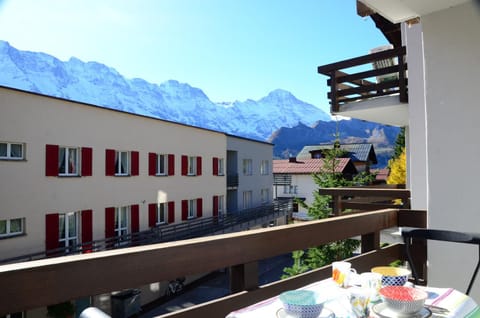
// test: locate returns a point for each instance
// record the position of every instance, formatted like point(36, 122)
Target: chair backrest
point(439, 235)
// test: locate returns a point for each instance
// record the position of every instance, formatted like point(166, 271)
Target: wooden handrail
point(346, 88)
point(39, 283)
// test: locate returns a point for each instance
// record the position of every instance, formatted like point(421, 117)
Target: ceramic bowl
point(403, 300)
point(392, 276)
point(302, 303)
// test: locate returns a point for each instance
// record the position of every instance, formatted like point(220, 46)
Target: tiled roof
point(358, 152)
point(306, 166)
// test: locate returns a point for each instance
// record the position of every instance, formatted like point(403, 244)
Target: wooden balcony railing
point(346, 88)
point(39, 283)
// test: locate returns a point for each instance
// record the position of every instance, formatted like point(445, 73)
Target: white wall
point(257, 151)
point(452, 68)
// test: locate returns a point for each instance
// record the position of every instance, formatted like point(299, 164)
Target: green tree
point(399, 143)
point(320, 208)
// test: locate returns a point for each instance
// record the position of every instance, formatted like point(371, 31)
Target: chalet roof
point(309, 166)
point(357, 152)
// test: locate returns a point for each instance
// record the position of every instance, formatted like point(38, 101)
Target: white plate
point(383, 311)
point(326, 313)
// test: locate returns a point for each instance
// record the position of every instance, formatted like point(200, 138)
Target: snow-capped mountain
point(98, 84)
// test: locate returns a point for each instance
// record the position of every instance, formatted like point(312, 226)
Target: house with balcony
point(437, 42)
point(79, 175)
point(431, 91)
point(293, 179)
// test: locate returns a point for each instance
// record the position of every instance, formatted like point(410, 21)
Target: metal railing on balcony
point(39, 283)
point(346, 88)
point(232, 180)
point(167, 233)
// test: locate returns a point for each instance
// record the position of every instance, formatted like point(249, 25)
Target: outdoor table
point(457, 303)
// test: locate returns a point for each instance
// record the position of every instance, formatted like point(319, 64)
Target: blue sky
point(231, 49)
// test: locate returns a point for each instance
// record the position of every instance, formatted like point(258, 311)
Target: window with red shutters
point(199, 207)
point(215, 205)
point(171, 212)
point(87, 229)
point(184, 165)
point(87, 158)
point(199, 166)
point(109, 222)
point(51, 231)
point(134, 218)
point(171, 164)
point(152, 214)
point(109, 162)
point(152, 164)
point(184, 210)
point(134, 169)
point(51, 160)
point(215, 166)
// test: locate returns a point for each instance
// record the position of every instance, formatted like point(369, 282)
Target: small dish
point(326, 313)
point(382, 311)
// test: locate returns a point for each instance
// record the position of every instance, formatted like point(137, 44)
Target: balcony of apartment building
point(372, 87)
point(38, 283)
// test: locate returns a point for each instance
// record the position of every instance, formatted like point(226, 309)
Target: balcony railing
point(232, 180)
point(361, 85)
point(38, 283)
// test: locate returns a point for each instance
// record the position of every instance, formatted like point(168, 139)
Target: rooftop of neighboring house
point(357, 152)
point(309, 166)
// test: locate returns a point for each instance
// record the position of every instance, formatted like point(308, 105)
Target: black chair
point(439, 235)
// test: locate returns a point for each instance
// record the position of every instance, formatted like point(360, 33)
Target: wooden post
point(244, 277)
point(370, 242)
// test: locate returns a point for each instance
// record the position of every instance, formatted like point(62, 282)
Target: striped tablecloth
point(458, 304)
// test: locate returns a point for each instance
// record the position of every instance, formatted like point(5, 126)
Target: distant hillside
point(289, 141)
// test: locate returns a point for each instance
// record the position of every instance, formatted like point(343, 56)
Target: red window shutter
point(87, 228)
point(199, 166)
point(152, 164)
point(134, 157)
point(51, 160)
point(199, 207)
point(109, 162)
point(109, 222)
point(184, 210)
point(152, 214)
point(171, 164)
point(51, 231)
point(215, 205)
point(171, 212)
point(87, 159)
point(135, 218)
point(215, 166)
point(184, 165)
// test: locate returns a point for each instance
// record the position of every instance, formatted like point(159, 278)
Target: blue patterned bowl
point(302, 303)
point(392, 276)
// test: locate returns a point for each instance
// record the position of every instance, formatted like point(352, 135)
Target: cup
point(372, 282)
point(341, 272)
point(359, 300)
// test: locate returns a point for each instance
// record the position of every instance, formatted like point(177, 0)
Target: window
point(191, 165)
point(162, 212)
point(11, 151)
point(192, 208)
point(67, 161)
point(68, 228)
point(247, 167)
point(218, 166)
point(121, 221)
point(11, 227)
point(289, 189)
point(264, 167)
point(265, 196)
point(161, 164)
point(121, 163)
point(247, 199)
point(221, 204)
